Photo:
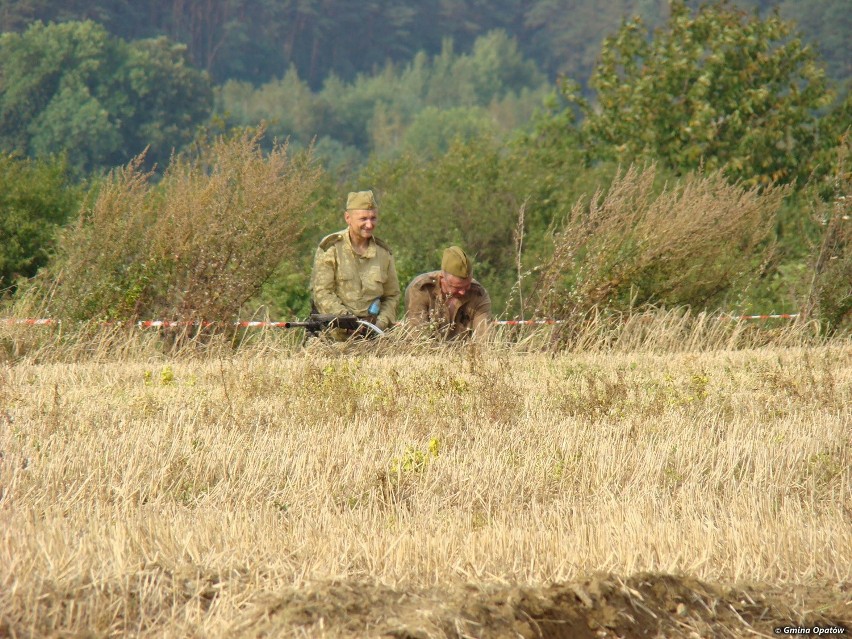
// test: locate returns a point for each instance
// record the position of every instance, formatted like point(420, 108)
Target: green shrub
point(36, 197)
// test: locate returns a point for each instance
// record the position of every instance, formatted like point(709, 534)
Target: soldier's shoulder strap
point(330, 240)
point(424, 281)
point(383, 244)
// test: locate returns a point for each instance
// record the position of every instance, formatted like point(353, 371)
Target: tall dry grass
point(181, 496)
point(650, 330)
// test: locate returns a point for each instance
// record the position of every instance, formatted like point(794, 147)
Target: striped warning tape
point(31, 322)
point(724, 317)
point(760, 317)
point(528, 322)
point(150, 323)
point(171, 324)
point(259, 324)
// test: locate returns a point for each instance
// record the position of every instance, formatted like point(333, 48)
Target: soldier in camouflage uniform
point(353, 268)
point(449, 303)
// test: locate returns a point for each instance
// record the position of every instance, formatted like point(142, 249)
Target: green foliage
point(72, 88)
point(36, 198)
point(493, 89)
point(166, 98)
point(188, 247)
point(567, 40)
point(414, 460)
point(433, 129)
point(720, 89)
point(288, 107)
point(255, 40)
point(494, 68)
point(827, 23)
point(287, 291)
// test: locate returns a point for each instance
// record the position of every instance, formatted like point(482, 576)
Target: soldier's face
point(361, 223)
point(453, 286)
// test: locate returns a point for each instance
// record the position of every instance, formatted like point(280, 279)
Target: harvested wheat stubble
point(475, 492)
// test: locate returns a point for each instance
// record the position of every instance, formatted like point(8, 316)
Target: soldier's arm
point(390, 298)
point(416, 307)
point(323, 284)
point(481, 321)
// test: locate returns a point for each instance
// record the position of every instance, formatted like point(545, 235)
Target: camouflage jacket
point(345, 282)
point(427, 308)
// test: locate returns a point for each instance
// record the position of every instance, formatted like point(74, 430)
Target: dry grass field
point(489, 491)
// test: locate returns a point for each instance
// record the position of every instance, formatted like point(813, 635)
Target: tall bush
point(692, 244)
point(830, 295)
point(196, 245)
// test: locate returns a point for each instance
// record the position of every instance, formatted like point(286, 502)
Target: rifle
point(318, 322)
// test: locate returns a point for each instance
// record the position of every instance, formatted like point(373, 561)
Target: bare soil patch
point(644, 605)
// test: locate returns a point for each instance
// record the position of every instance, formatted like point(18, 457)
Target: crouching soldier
point(449, 303)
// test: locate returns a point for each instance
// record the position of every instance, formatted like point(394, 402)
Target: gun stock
point(319, 322)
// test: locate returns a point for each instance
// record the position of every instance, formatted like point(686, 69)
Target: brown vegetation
point(426, 492)
point(196, 245)
point(693, 243)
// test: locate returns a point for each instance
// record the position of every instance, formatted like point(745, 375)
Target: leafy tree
point(287, 106)
point(373, 112)
point(720, 88)
point(258, 40)
point(495, 67)
point(73, 88)
point(434, 130)
point(826, 23)
point(166, 98)
point(36, 197)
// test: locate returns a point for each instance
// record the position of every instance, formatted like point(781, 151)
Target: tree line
point(257, 41)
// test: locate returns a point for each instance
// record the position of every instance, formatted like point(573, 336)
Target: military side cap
point(360, 201)
point(456, 262)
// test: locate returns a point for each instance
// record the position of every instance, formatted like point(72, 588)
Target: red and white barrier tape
point(760, 317)
point(528, 322)
point(258, 324)
point(148, 323)
point(172, 324)
point(724, 317)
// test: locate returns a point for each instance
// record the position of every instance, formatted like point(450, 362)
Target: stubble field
point(459, 492)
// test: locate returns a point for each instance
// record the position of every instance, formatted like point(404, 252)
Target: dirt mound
point(645, 605)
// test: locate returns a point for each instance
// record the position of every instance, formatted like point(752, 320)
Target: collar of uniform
point(370, 251)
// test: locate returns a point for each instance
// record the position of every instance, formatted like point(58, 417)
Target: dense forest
point(487, 124)
point(258, 41)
